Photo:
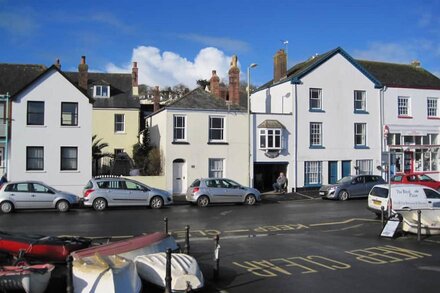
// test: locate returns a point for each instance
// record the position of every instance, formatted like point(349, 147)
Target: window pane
point(216, 128)
point(179, 127)
point(34, 158)
point(119, 122)
point(69, 158)
point(35, 113)
point(216, 168)
point(69, 114)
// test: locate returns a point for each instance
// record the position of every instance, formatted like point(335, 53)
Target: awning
point(416, 130)
point(271, 124)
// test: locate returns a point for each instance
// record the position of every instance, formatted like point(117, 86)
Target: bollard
point(166, 225)
point(168, 272)
point(382, 216)
point(69, 286)
point(419, 225)
point(187, 239)
point(216, 270)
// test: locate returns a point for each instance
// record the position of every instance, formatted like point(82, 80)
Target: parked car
point(34, 195)
point(103, 192)
point(220, 190)
point(403, 196)
point(412, 178)
point(350, 186)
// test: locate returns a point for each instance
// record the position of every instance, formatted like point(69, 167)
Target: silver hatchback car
point(103, 192)
point(220, 190)
point(34, 195)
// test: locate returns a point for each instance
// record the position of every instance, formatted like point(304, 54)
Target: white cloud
point(169, 68)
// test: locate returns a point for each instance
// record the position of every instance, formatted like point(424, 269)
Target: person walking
point(279, 185)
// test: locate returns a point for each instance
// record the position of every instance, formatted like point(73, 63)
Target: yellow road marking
point(237, 231)
point(343, 222)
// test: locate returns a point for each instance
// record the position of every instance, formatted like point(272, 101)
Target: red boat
point(132, 247)
point(25, 277)
point(47, 248)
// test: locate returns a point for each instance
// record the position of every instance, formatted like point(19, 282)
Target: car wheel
point(203, 201)
point(63, 206)
point(156, 202)
point(344, 195)
point(99, 204)
point(250, 199)
point(7, 207)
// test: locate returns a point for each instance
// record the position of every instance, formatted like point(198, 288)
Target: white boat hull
point(184, 271)
point(430, 221)
point(23, 278)
point(106, 274)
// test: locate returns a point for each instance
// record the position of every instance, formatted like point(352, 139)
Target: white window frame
point(318, 99)
point(432, 107)
point(312, 173)
point(315, 134)
point(118, 124)
point(273, 133)
point(403, 106)
point(98, 91)
point(175, 127)
point(360, 98)
point(216, 167)
point(362, 134)
point(364, 167)
point(221, 129)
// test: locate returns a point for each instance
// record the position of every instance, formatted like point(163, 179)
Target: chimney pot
point(58, 63)
point(416, 63)
point(83, 69)
point(214, 84)
point(234, 82)
point(134, 80)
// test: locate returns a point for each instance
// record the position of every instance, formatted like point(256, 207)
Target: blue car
point(350, 187)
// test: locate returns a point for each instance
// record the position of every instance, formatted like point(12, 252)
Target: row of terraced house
point(320, 120)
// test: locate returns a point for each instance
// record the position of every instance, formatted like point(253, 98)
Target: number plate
point(321, 193)
point(376, 202)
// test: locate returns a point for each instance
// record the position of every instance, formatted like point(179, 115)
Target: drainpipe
point(382, 125)
point(8, 120)
point(295, 184)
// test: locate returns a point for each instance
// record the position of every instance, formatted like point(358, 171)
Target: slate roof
point(271, 124)
point(120, 89)
point(14, 77)
point(380, 73)
point(401, 75)
point(199, 99)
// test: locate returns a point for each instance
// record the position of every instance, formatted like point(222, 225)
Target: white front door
point(178, 177)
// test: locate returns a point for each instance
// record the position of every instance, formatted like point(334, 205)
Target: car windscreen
point(379, 191)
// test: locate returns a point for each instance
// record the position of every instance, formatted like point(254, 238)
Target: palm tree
point(97, 152)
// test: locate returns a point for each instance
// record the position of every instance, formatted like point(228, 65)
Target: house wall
point(104, 128)
point(197, 152)
point(53, 89)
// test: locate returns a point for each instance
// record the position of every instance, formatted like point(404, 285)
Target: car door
point(433, 197)
point(216, 191)
point(357, 187)
point(19, 194)
point(136, 194)
point(233, 191)
point(113, 191)
point(370, 181)
point(42, 196)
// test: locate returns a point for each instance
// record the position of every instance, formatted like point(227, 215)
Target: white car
point(403, 196)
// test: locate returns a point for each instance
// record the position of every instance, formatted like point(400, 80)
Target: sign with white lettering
point(390, 228)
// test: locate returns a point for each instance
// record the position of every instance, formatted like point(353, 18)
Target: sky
point(182, 41)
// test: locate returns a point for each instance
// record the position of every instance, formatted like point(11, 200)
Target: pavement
point(269, 196)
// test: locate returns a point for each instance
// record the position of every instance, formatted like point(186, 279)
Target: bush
point(153, 165)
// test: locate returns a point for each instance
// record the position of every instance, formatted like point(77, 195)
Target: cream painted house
point(200, 135)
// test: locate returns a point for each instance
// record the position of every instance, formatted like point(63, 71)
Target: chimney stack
point(415, 63)
point(214, 84)
point(156, 99)
point(58, 64)
point(83, 69)
point(134, 80)
point(234, 82)
point(280, 65)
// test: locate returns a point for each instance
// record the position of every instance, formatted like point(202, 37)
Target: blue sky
point(182, 41)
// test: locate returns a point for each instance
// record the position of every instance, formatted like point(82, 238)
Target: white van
point(403, 196)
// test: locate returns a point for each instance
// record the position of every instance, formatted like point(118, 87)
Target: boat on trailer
point(25, 277)
point(429, 218)
point(109, 274)
point(47, 248)
point(185, 271)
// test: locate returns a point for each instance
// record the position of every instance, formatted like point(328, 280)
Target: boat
point(25, 277)
point(109, 274)
point(430, 221)
point(132, 247)
point(47, 248)
point(185, 272)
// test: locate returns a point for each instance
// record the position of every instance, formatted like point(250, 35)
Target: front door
point(332, 172)
point(408, 162)
point(346, 168)
point(178, 177)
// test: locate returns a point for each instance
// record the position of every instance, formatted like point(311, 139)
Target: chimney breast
point(83, 69)
point(214, 84)
point(134, 79)
point(280, 65)
point(234, 82)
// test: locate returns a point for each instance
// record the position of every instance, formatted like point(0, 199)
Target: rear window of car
point(196, 183)
point(431, 193)
point(88, 185)
point(397, 178)
point(372, 178)
point(379, 191)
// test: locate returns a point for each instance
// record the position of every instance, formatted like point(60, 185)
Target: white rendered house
point(51, 133)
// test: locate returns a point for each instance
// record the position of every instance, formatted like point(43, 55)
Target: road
point(288, 246)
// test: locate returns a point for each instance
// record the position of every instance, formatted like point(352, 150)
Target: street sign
point(390, 228)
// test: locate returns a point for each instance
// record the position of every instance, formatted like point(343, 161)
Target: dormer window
point(101, 91)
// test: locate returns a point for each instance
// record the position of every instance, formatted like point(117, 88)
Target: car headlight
point(331, 190)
